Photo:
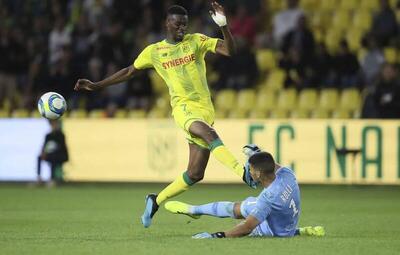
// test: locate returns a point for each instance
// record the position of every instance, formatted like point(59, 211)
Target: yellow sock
point(223, 155)
point(181, 184)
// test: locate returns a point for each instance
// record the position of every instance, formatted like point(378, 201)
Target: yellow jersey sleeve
point(206, 43)
point(144, 60)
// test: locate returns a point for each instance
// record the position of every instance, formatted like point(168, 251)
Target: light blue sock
point(216, 209)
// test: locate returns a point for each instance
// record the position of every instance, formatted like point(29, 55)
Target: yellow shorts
point(186, 114)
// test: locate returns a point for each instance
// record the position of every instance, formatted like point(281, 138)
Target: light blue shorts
point(263, 228)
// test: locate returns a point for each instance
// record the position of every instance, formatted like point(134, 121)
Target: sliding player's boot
point(150, 209)
point(180, 208)
point(312, 231)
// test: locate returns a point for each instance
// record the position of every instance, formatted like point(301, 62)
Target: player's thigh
point(198, 159)
point(236, 210)
point(247, 206)
point(203, 130)
point(186, 115)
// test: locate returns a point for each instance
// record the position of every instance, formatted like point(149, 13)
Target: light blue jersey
point(277, 207)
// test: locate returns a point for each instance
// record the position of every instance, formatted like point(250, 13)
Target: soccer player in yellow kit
point(179, 60)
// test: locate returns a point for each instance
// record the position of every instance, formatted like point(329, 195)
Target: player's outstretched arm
point(120, 76)
point(227, 46)
point(242, 229)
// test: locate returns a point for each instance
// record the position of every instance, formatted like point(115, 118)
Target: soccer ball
point(52, 105)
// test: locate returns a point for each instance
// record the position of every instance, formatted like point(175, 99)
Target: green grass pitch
point(104, 219)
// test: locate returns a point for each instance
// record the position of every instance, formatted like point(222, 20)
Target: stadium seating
point(369, 5)
point(341, 114)
point(353, 38)
point(156, 113)
point(35, 114)
point(265, 60)
point(287, 99)
point(320, 20)
point(245, 99)
point(136, 114)
point(308, 100)
point(309, 5)
point(390, 55)
point(300, 113)
point(348, 5)
point(225, 100)
point(96, 114)
point(350, 100)
point(332, 39)
point(120, 114)
point(159, 86)
point(276, 5)
point(340, 20)
point(280, 114)
point(258, 114)
point(238, 114)
point(20, 113)
point(362, 20)
point(4, 113)
point(328, 5)
point(266, 101)
point(275, 80)
point(330, 20)
point(328, 99)
point(320, 113)
point(76, 114)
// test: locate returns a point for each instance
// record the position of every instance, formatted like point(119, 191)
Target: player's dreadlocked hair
point(263, 161)
point(176, 9)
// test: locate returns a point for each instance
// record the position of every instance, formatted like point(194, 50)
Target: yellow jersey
point(182, 67)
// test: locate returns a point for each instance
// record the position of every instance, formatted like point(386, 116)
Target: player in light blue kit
point(274, 213)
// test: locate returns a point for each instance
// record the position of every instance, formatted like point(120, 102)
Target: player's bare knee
point(196, 176)
point(236, 210)
point(210, 135)
point(204, 131)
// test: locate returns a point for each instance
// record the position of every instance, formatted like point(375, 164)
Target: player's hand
point(206, 235)
point(218, 14)
point(84, 84)
point(247, 176)
point(203, 235)
point(250, 149)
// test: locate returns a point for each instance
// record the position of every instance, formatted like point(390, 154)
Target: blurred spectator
point(243, 24)
point(54, 152)
point(45, 45)
point(298, 55)
point(95, 99)
point(300, 39)
point(384, 25)
point(346, 67)
point(298, 75)
point(82, 42)
point(59, 36)
point(139, 91)
point(116, 94)
point(238, 72)
point(322, 66)
point(62, 73)
point(96, 10)
point(387, 93)
point(286, 20)
point(13, 62)
point(372, 61)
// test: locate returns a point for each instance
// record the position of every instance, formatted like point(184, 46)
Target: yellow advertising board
point(319, 151)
